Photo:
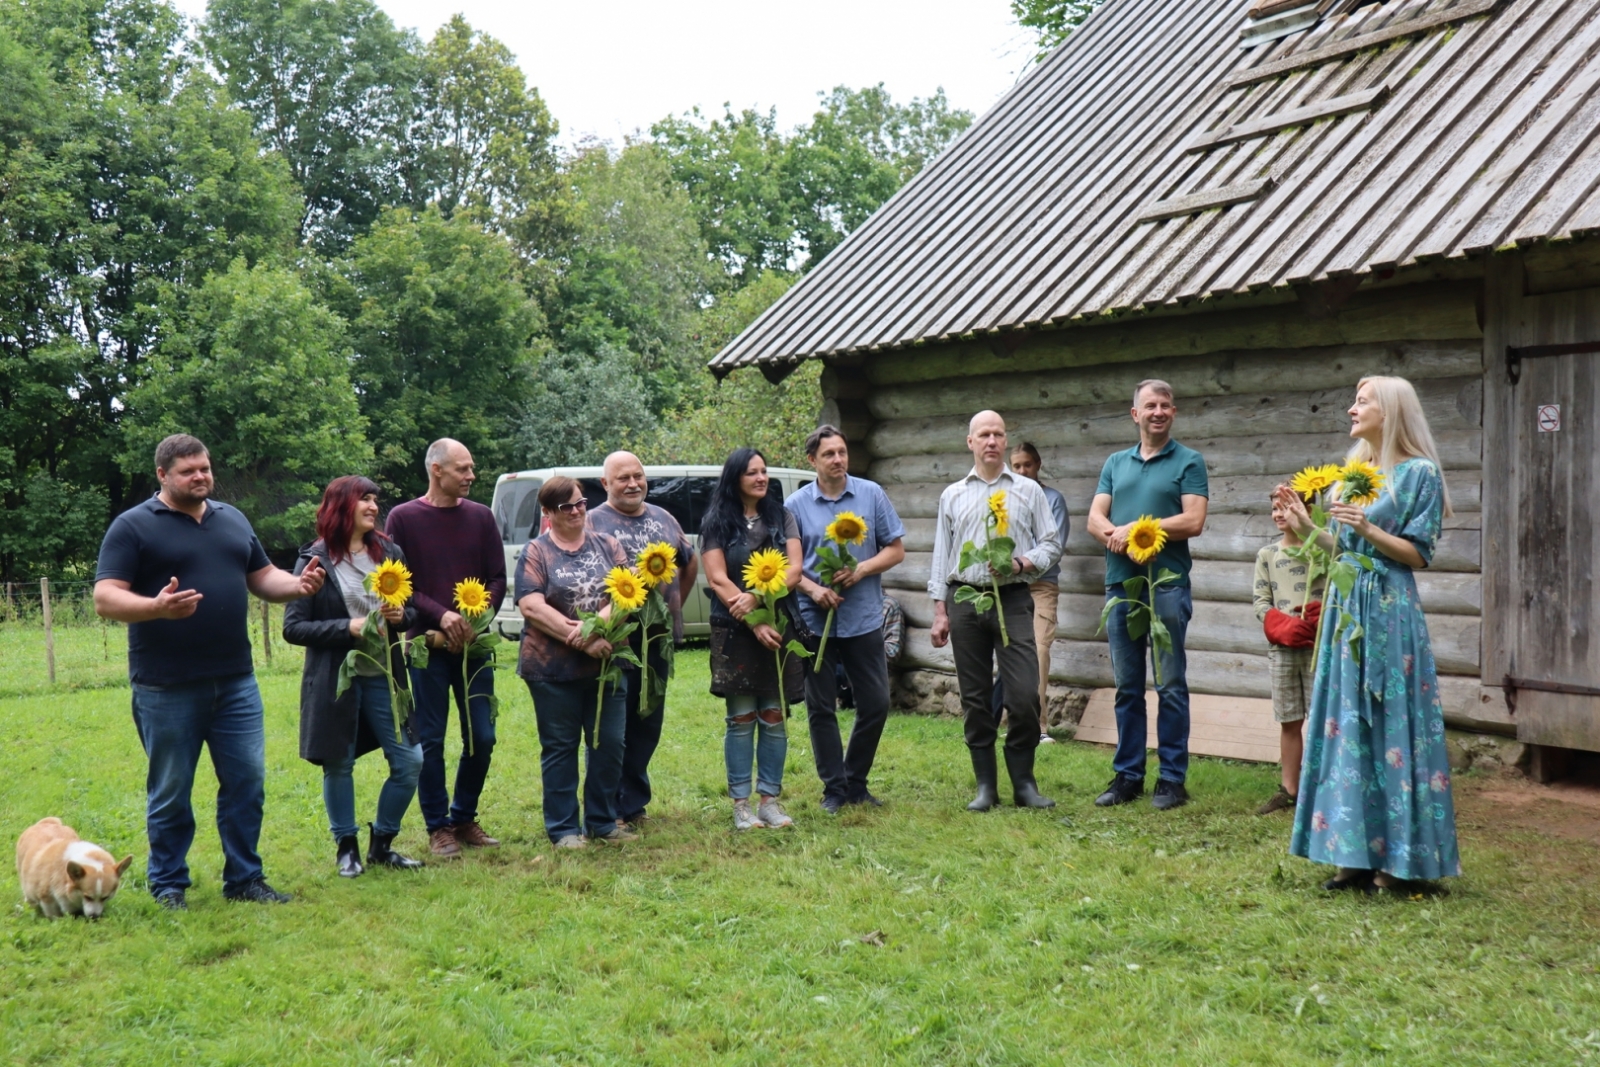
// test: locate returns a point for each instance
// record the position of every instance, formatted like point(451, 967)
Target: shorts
point(1290, 669)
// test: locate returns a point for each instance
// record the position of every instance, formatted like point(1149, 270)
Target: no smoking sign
point(1549, 418)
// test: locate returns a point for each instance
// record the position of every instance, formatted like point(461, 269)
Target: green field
point(915, 934)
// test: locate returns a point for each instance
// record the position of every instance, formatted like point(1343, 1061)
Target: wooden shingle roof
point(1151, 161)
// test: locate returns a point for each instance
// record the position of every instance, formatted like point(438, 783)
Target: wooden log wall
point(1257, 409)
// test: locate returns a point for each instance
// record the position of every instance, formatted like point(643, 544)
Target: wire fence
point(50, 637)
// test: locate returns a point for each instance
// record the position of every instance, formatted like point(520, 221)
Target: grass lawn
point(917, 933)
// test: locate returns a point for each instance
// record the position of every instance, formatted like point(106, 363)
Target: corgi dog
point(62, 875)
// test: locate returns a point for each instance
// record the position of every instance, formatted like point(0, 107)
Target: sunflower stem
point(1155, 658)
point(827, 625)
point(999, 612)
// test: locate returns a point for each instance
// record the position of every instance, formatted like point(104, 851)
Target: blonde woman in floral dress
point(1375, 783)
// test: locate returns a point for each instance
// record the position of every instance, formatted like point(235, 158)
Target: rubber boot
point(350, 857)
point(988, 779)
point(379, 854)
point(1024, 790)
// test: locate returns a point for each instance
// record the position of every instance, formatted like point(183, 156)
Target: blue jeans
point(405, 763)
point(431, 690)
point(1174, 606)
point(641, 738)
point(740, 747)
point(225, 715)
point(565, 713)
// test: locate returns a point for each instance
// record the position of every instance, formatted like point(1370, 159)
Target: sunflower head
point(1145, 539)
point(847, 526)
point(626, 588)
point(998, 512)
point(1362, 482)
point(391, 582)
point(766, 572)
point(657, 564)
point(472, 598)
point(1313, 480)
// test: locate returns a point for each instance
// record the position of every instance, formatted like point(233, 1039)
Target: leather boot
point(379, 854)
point(988, 776)
point(350, 856)
point(1024, 790)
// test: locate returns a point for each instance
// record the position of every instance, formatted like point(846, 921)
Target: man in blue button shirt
point(1161, 478)
point(179, 570)
point(856, 639)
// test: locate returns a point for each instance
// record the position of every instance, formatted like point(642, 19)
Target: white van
point(684, 491)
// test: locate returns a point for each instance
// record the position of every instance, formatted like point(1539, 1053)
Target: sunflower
point(847, 526)
point(657, 563)
point(391, 581)
point(997, 508)
point(1362, 482)
point(1313, 480)
point(765, 573)
point(1145, 539)
point(472, 598)
point(627, 589)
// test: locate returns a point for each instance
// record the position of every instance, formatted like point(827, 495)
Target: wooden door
point(1552, 369)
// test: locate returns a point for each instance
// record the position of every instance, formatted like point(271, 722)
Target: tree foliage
point(1051, 21)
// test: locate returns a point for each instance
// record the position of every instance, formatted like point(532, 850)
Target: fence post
point(49, 631)
point(266, 631)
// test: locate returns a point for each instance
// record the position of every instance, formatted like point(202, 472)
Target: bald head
point(986, 440)
point(624, 481)
point(450, 472)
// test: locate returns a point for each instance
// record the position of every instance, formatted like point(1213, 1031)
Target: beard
point(186, 494)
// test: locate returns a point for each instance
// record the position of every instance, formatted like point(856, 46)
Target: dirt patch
point(1567, 810)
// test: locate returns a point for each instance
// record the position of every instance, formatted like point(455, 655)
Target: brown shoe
point(472, 835)
point(442, 843)
point(1277, 802)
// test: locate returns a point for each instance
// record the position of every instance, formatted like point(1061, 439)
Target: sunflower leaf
point(347, 673)
point(971, 556)
point(966, 594)
point(795, 648)
point(1134, 586)
point(419, 652)
point(1138, 621)
point(758, 617)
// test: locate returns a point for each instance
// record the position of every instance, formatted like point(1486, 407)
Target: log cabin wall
point(1261, 392)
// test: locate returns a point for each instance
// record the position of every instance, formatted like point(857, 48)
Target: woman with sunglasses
point(560, 573)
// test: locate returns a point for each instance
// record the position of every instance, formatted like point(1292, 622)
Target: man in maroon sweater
point(448, 538)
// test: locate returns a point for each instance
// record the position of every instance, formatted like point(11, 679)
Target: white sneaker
point(1046, 739)
point(744, 818)
point(772, 814)
point(571, 841)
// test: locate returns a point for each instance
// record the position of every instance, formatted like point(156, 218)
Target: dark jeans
point(405, 763)
point(844, 772)
point(975, 641)
point(431, 689)
point(641, 735)
point(565, 713)
point(1174, 606)
point(223, 714)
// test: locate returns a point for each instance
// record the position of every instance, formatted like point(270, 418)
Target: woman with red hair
point(337, 729)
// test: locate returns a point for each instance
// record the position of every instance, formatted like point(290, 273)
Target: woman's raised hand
point(768, 637)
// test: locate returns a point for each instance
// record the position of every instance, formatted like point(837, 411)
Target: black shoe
point(1357, 880)
point(866, 798)
point(380, 854)
point(256, 892)
point(1024, 790)
point(1122, 790)
point(349, 858)
point(1169, 795)
point(172, 900)
point(831, 805)
point(983, 768)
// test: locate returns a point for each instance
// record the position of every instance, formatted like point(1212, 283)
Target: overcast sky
point(607, 68)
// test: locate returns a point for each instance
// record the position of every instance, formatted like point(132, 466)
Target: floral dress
point(1375, 784)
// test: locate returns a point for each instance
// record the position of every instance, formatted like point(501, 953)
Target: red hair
point(336, 517)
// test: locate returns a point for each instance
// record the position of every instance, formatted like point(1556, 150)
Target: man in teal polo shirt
point(1161, 478)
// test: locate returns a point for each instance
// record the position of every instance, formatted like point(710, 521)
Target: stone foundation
point(934, 693)
point(1485, 752)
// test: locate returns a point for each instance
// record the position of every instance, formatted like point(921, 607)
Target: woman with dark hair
point(743, 517)
point(560, 573)
point(336, 730)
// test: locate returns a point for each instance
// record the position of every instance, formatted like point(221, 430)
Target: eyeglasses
point(573, 507)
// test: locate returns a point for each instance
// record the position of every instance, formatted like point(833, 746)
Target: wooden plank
point(1206, 199)
point(1228, 727)
point(1283, 120)
point(1564, 720)
point(1301, 60)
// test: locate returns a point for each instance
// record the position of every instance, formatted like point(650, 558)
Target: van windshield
point(516, 509)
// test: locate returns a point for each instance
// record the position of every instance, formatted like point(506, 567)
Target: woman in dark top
point(742, 518)
point(560, 573)
point(334, 731)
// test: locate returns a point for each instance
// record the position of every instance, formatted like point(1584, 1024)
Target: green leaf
point(971, 556)
point(1342, 576)
point(420, 651)
point(966, 594)
point(1167, 575)
point(1105, 614)
point(486, 644)
point(626, 655)
point(347, 674)
point(758, 617)
point(984, 602)
point(494, 705)
point(1138, 621)
point(795, 648)
point(1001, 551)
point(1134, 586)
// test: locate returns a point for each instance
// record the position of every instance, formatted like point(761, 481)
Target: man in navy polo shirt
point(179, 570)
point(856, 640)
point(1161, 478)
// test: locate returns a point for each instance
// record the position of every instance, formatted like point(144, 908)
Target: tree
point(444, 337)
point(257, 369)
point(583, 406)
point(1051, 20)
point(331, 87)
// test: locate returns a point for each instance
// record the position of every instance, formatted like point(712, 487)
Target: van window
point(686, 499)
point(516, 509)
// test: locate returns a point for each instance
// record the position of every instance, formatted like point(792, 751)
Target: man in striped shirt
point(975, 636)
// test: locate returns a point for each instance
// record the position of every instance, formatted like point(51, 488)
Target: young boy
point(1279, 591)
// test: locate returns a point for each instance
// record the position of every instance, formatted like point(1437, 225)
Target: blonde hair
point(1405, 432)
